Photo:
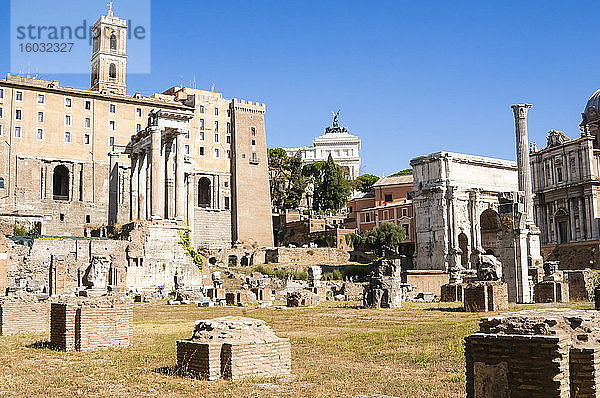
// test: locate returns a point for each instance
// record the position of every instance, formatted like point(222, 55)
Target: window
point(1, 113)
point(88, 219)
point(186, 149)
point(40, 134)
point(86, 139)
point(228, 154)
point(67, 136)
point(60, 184)
point(201, 135)
point(138, 128)
point(111, 141)
point(217, 153)
point(61, 216)
point(1, 130)
point(559, 176)
point(201, 108)
point(112, 125)
point(68, 102)
point(227, 204)
point(187, 135)
point(406, 230)
point(40, 117)
point(112, 71)
point(368, 217)
point(19, 96)
point(18, 132)
point(87, 105)
point(228, 112)
point(138, 112)
point(216, 111)
point(41, 98)
point(216, 125)
point(204, 192)
point(87, 123)
point(404, 212)
point(226, 184)
point(253, 142)
point(216, 137)
point(228, 127)
point(388, 197)
point(201, 151)
point(254, 158)
point(112, 108)
point(201, 123)
point(253, 131)
point(1, 93)
point(67, 120)
point(1, 183)
point(113, 42)
point(228, 139)
point(18, 114)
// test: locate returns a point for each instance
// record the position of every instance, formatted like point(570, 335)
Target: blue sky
point(410, 78)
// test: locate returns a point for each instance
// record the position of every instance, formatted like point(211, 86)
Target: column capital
point(520, 110)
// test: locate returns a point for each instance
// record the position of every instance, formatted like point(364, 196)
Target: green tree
point(330, 189)
point(404, 172)
point(385, 238)
point(286, 179)
point(364, 183)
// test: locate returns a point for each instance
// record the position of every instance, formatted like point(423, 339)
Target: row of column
point(586, 221)
point(148, 178)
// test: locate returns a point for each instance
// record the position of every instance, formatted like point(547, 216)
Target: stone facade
point(234, 348)
point(307, 256)
point(337, 142)
point(483, 296)
point(71, 161)
point(90, 325)
point(537, 354)
point(24, 316)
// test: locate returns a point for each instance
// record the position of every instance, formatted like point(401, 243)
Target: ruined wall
point(425, 281)
point(307, 256)
point(486, 296)
point(212, 228)
point(272, 359)
point(574, 255)
point(24, 317)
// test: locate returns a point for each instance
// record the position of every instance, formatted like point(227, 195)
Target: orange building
point(388, 202)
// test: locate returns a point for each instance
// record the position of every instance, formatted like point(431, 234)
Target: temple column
point(581, 218)
point(180, 189)
point(593, 212)
point(520, 113)
point(157, 174)
point(572, 219)
point(142, 170)
point(133, 197)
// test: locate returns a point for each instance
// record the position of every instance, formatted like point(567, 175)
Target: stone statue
point(455, 274)
point(336, 120)
point(96, 275)
point(489, 268)
point(153, 117)
point(556, 137)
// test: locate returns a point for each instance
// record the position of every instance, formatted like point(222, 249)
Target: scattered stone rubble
point(233, 348)
point(535, 353)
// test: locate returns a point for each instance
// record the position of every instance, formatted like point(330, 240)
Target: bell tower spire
point(109, 54)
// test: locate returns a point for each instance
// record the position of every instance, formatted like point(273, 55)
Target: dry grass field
point(338, 350)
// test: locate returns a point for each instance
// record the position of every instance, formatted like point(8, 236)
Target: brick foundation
point(551, 292)
point(486, 296)
point(90, 327)
point(451, 292)
point(24, 317)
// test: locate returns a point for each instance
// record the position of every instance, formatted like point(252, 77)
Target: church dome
point(594, 101)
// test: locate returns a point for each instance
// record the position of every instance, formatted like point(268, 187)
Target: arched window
point(112, 71)
point(204, 192)
point(60, 180)
point(113, 42)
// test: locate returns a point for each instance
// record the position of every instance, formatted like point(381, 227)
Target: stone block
point(451, 292)
point(551, 292)
point(485, 296)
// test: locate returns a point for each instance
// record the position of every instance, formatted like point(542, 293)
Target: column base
point(156, 218)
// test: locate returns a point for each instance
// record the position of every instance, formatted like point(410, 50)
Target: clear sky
point(409, 77)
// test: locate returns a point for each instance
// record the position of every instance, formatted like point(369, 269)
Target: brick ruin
point(552, 289)
point(483, 296)
point(26, 315)
point(233, 348)
point(91, 324)
point(302, 298)
point(535, 353)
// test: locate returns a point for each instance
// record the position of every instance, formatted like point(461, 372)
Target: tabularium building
point(73, 160)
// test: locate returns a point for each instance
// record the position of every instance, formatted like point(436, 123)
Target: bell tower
point(109, 54)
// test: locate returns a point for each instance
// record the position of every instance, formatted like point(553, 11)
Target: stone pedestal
point(551, 292)
point(452, 292)
point(536, 353)
point(486, 296)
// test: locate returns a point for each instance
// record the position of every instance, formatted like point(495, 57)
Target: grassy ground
point(338, 351)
